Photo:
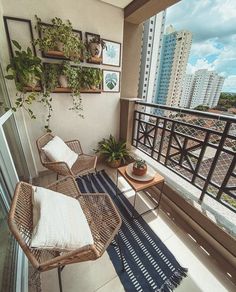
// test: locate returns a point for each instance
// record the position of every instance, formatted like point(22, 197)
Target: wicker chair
point(101, 214)
point(84, 164)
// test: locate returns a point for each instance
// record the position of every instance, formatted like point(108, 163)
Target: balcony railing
point(198, 146)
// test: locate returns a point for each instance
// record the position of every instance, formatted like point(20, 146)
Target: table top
point(140, 185)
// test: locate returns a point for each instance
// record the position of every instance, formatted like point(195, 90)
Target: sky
point(213, 25)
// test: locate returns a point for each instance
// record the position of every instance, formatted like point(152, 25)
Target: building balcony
point(193, 151)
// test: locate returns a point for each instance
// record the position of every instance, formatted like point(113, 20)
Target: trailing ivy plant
point(59, 36)
point(90, 78)
point(72, 74)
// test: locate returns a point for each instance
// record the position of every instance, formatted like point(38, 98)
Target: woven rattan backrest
point(41, 142)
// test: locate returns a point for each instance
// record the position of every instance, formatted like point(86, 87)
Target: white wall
point(101, 111)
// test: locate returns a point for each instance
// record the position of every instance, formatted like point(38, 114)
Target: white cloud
point(205, 49)
point(200, 64)
point(230, 84)
point(213, 25)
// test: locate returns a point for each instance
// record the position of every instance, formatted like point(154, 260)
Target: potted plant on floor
point(113, 151)
point(59, 37)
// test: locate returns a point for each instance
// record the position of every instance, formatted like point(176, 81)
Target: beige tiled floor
point(101, 276)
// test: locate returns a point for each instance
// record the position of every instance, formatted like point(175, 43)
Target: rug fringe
point(173, 282)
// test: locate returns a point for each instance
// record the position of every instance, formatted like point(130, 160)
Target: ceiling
point(118, 3)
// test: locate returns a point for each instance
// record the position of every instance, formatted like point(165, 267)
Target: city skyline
point(214, 36)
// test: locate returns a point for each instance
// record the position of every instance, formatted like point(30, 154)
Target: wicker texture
point(84, 164)
point(101, 214)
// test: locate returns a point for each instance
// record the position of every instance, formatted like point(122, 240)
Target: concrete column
point(127, 108)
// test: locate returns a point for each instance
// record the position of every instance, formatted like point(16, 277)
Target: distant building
point(187, 90)
point(153, 30)
point(202, 88)
point(174, 57)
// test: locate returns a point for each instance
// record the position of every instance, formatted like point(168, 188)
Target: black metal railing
point(198, 146)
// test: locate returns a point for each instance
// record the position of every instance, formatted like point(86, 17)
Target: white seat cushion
point(57, 150)
point(59, 222)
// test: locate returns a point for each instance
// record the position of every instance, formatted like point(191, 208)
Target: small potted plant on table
point(139, 167)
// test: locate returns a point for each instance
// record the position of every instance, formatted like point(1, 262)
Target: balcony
point(194, 152)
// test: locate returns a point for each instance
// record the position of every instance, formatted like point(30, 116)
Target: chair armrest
point(60, 167)
point(67, 186)
point(75, 146)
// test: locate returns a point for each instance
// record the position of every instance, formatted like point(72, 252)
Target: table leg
point(134, 204)
point(117, 176)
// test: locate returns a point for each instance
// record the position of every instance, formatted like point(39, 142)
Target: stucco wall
point(101, 111)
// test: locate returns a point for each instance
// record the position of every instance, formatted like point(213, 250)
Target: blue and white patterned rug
point(149, 265)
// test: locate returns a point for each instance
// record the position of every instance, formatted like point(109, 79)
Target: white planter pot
point(96, 50)
point(60, 46)
point(63, 81)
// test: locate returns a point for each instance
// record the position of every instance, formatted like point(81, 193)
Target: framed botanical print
point(111, 81)
point(111, 53)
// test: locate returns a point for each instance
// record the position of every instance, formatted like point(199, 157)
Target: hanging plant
point(59, 36)
point(73, 78)
point(27, 70)
point(91, 78)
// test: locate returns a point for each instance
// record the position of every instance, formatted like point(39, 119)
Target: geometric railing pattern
point(198, 146)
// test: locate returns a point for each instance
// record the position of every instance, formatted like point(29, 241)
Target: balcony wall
point(101, 111)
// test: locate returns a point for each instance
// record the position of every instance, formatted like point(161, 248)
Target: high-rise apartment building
point(201, 88)
point(153, 31)
point(173, 62)
point(187, 90)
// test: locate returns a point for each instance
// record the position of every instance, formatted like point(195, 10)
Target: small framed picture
point(111, 53)
point(94, 47)
point(111, 81)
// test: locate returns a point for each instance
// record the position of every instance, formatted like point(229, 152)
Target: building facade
point(153, 31)
point(173, 62)
point(201, 88)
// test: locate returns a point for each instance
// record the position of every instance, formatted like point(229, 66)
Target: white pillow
point(57, 150)
point(59, 222)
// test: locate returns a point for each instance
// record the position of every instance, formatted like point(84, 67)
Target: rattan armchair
point(84, 164)
point(101, 214)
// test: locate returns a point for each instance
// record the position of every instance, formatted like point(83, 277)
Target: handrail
point(188, 111)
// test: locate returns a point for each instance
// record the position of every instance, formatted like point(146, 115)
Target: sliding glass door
point(13, 264)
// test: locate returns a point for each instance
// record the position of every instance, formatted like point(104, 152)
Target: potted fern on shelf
point(114, 152)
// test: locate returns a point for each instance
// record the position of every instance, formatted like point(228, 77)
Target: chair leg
point(59, 270)
point(120, 250)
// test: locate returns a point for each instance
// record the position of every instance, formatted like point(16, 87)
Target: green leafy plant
point(73, 77)
point(112, 149)
point(60, 36)
point(26, 70)
point(90, 78)
point(140, 163)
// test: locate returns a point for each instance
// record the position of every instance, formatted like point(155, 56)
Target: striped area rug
point(149, 265)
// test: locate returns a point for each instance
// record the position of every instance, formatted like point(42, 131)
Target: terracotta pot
point(96, 50)
point(63, 81)
point(114, 163)
point(139, 171)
